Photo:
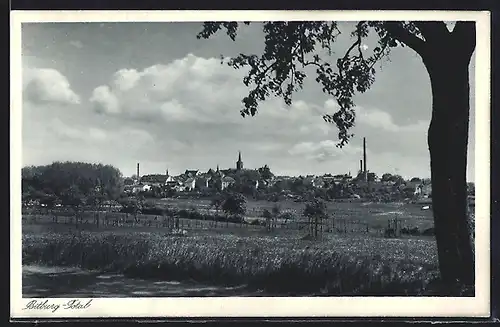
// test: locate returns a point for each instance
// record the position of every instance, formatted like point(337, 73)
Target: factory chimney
point(364, 159)
point(138, 171)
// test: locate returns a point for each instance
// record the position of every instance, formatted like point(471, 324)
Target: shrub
point(429, 232)
point(414, 231)
point(389, 232)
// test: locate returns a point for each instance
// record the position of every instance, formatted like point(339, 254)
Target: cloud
point(190, 89)
point(46, 86)
point(64, 131)
point(383, 120)
point(378, 119)
point(97, 136)
point(104, 100)
point(76, 44)
point(323, 151)
point(125, 79)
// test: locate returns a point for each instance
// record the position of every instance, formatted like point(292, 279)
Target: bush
point(389, 233)
point(258, 222)
point(429, 232)
point(157, 211)
point(410, 231)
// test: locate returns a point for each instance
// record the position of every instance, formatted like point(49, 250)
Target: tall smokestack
point(364, 158)
point(138, 171)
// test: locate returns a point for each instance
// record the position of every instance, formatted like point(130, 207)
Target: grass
point(281, 265)
point(373, 215)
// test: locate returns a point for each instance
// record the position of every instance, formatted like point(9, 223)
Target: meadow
point(277, 264)
point(280, 262)
point(375, 215)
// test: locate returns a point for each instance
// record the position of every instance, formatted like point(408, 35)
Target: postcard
point(250, 164)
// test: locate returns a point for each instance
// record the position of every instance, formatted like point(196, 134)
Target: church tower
point(239, 163)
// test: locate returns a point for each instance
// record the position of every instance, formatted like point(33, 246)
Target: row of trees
point(235, 205)
point(73, 184)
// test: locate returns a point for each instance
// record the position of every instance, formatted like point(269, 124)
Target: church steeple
point(239, 163)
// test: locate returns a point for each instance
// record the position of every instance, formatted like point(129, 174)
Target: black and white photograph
point(236, 158)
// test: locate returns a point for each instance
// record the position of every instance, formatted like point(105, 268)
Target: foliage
point(217, 202)
point(72, 182)
point(372, 177)
point(265, 173)
point(276, 210)
point(397, 179)
point(287, 216)
point(234, 204)
point(132, 204)
point(316, 208)
point(267, 214)
point(72, 196)
point(315, 211)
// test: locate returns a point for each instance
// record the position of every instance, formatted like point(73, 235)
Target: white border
point(271, 307)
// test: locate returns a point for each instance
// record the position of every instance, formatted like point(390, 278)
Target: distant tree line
point(73, 184)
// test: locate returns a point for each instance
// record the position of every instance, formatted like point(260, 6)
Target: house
point(413, 184)
point(225, 172)
point(192, 173)
point(319, 182)
point(424, 190)
point(189, 184)
point(128, 188)
point(340, 178)
point(171, 181)
point(141, 188)
point(202, 182)
point(154, 180)
point(226, 181)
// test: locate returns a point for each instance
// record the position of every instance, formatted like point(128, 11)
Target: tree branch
point(402, 35)
point(464, 34)
point(432, 30)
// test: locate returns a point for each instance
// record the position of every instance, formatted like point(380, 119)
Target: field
point(343, 217)
point(349, 263)
point(375, 214)
point(283, 265)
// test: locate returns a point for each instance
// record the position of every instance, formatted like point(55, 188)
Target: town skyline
point(89, 94)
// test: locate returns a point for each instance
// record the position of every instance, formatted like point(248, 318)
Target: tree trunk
point(447, 140)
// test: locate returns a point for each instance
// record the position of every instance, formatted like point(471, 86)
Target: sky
point(123, 93)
